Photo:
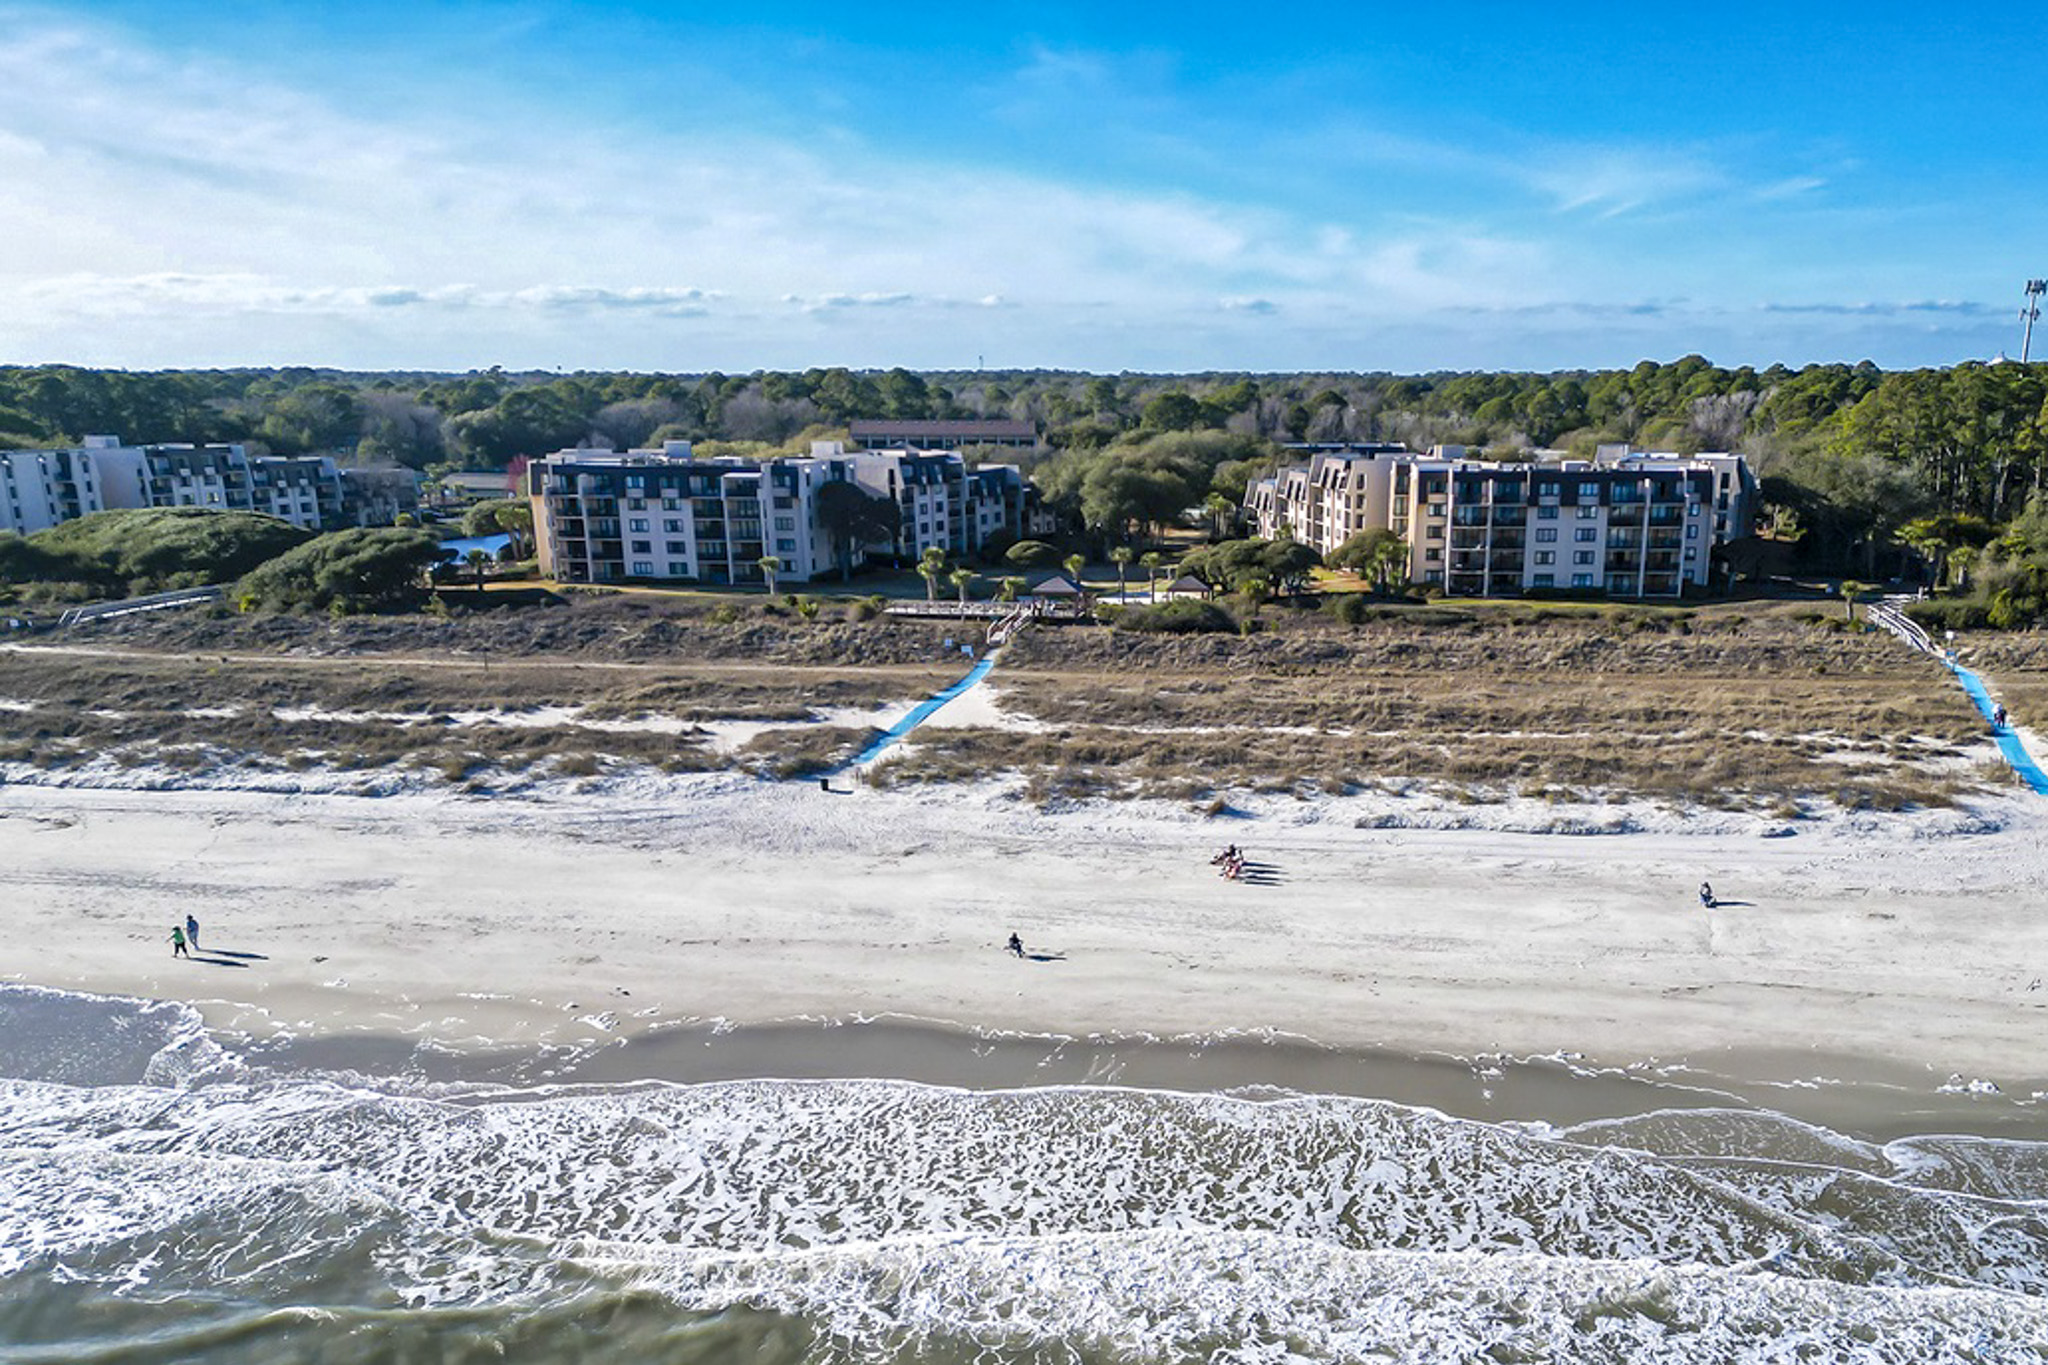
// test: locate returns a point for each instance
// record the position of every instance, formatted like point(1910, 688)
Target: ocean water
point(164, 1197)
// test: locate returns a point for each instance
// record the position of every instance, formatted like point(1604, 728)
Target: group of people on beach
point(1229, 863)
point(183, 934)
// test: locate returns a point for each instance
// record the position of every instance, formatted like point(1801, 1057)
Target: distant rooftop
point(922, 432)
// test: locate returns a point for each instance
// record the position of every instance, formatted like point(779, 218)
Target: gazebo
point(1187, 585)
point(1055, 588)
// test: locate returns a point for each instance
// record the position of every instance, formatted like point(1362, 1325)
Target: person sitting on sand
point(178, 942)
point(1706, 895)
point(1016, 945)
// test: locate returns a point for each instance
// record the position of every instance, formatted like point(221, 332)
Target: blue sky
point(1296, 186)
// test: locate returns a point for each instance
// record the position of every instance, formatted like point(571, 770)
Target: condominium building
point(602, 516)
point(1628, 523)
point(311, 491)
point(42, 488)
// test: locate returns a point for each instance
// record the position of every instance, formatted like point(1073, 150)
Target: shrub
point(1178, 618)
point(143, 549)
point(1951, 613)
point(346, 571)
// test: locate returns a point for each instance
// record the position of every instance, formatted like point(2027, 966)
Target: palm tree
point(1073, 565)
point(1389, 557)
point(1255, 589)
point(477, 559)
point(769, 566)
point(1150, 561)
point(929, 568)
point(1009, 590)
point(1850, 589)
point(1218, 507)
point(1121, 556)
point(961, 579)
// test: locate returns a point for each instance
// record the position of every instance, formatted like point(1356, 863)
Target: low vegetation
point(1776, 709)
point(114, 554)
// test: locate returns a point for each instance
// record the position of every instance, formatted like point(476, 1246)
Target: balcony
point(1505, 563)
point(1662, 585)
point(1666, 539)
point(1673, 515)
point(1468, 561)
point(1665, 562)
point(1623, 540)
point(1469, 516)
point(1625, 561)
point(1468, 540)
point(1508, 540)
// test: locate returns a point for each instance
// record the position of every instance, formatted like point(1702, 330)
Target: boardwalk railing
point(1886, 616)
point(129, 606)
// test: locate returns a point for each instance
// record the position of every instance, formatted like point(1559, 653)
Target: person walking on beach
point(178, 942)
point(1015, 945)
point(1998, 716)
point(192, 931)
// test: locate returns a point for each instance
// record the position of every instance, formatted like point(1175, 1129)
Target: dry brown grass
point(1759, 709)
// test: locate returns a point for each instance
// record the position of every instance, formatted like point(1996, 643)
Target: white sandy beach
point(581, 913)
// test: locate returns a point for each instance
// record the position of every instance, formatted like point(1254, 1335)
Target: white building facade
point(1626, 523)
point(44, 488)
point(602, 516)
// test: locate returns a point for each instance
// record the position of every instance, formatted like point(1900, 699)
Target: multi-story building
point(1628, 523)
point(41, 488)
point(601, 516)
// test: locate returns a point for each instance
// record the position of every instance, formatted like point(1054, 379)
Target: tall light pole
point(2032, 310)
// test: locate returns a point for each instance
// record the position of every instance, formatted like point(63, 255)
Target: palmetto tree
point(1150, 562)
point(1121, 556)
point(962, 579)
point(1009, 590)
point(1390, 558)
point(477, 559)
point(930, 568)
point(1073, 564)
point(1850, 590)
point(769, 566)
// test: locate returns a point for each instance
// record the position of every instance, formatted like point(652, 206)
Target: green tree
point(931, 567)
point(1011, 586)
point(1031, 554)
point(962, 579)
point(477, 559)
point(855, 518)
point(1121, 556)
point(769, 565)
point(1150, 561)
point(362, 569)
point(1073, 565)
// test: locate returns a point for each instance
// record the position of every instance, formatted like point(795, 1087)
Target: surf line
point(923, 711)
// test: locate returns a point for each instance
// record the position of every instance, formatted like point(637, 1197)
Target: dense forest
point(1867, 472)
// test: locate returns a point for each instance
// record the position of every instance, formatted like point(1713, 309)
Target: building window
point(1692, 533)
point(1435, 533)
point(1582, 556)
point(643, 568)
point(1546, 534)
point(677, 570)
point(1546, 556)
point(643, 547)
point(1586, 533)
point(1588, 513)
point(785, 523)
point(672, 524)
point(1691, 553)
point(1589, 491)
point(637, 524)
point(676, 547)
point(1582, 580)
point(1545, 580)
point(1549, 489)
point(1546, 514)
point(1433, 555)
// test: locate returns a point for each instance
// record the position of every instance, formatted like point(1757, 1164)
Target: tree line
point(1863, 470)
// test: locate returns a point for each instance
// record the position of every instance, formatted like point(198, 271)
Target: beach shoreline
point(470, 924)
